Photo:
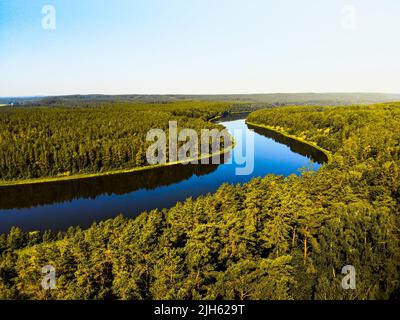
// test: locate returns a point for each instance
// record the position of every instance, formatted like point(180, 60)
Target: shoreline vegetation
point(70, 143)
point(4, 184)
point(11, 183)
point(79, 176)
point(327, 153)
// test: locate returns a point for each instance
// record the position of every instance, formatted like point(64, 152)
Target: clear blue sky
point(199, 46)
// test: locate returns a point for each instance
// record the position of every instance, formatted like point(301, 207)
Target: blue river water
point(57, 206)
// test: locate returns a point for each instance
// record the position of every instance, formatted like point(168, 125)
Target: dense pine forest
point(38, 142)
point(272, 238)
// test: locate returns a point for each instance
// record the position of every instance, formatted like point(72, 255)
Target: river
point(58, 205)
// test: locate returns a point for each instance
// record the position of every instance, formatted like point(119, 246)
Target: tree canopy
point(271, 238)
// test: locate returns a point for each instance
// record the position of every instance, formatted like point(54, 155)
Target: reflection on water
point(28, 196)
point(294, 145)
point(62, 204)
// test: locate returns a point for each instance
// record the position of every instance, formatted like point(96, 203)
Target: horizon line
point(195, 94)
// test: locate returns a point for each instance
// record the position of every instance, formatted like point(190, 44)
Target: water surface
point(62, 204)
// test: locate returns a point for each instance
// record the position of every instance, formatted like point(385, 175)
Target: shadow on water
point(28, 196)
point(295, 146)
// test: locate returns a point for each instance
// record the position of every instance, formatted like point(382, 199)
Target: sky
point(198, 46)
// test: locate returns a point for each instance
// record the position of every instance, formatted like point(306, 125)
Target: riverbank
point(59, 205)
point(44, 180)
point(235, 113)
point(11, 183)
point(327, 153)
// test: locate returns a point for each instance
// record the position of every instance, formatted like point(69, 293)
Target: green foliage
point(274, 99)
point(272, 238)
point(61, 141)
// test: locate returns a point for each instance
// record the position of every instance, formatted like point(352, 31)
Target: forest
point(272, 238)
point(60, 141)
point(271, 99)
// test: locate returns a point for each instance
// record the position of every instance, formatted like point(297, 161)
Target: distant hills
point(270, 99)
